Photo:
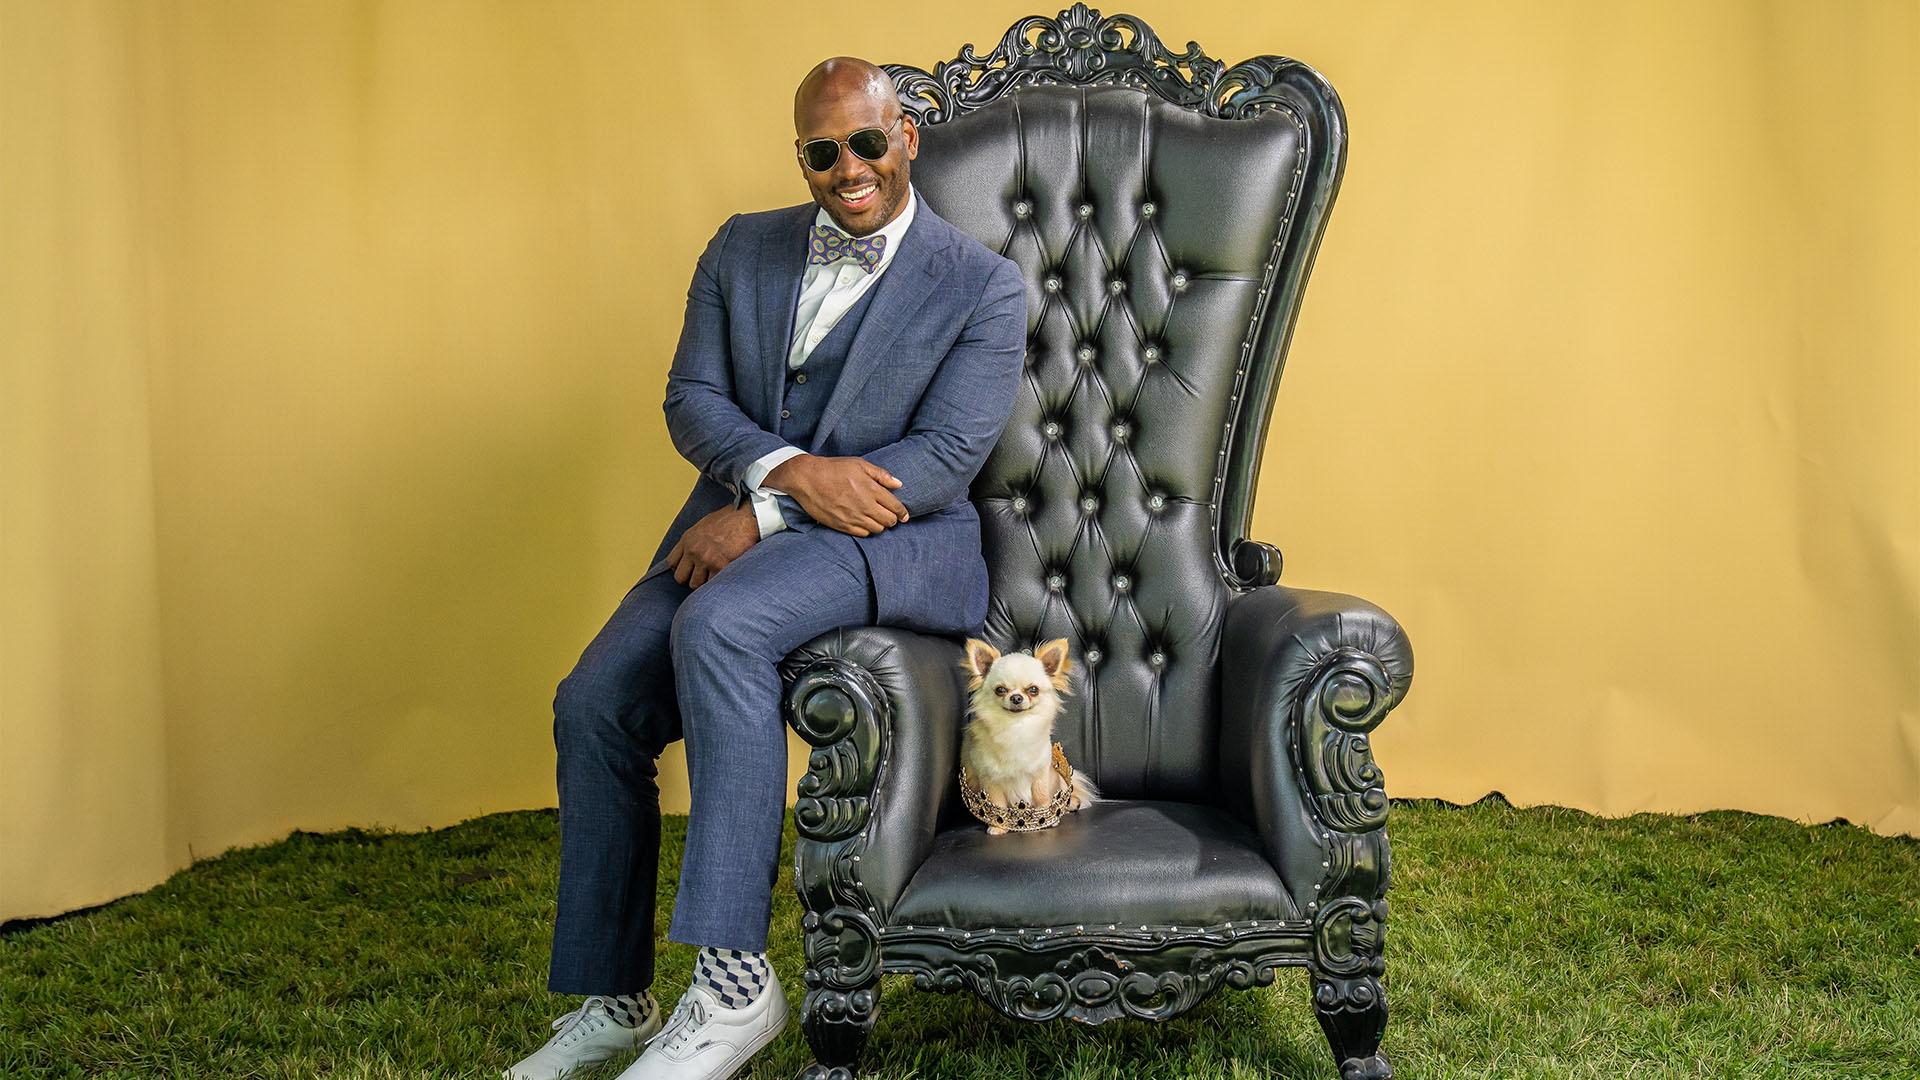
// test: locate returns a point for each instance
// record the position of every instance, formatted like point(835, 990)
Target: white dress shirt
point(827, 291)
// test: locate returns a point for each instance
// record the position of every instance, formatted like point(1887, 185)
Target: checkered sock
point(632, 1010)
point(733, 976)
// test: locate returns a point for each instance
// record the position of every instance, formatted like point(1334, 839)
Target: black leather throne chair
point(1165, 209)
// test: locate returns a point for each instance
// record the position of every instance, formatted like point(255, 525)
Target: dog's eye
point(1000, 690)
point(1032, 690)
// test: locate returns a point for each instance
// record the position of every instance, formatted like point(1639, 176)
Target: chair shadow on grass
point(930, 1036)
point(1236, 1035)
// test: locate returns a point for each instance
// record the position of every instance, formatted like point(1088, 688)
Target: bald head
point(843, 76)
point(840, 97)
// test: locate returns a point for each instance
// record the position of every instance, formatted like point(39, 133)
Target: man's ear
point(910, 134)
point(980, 657)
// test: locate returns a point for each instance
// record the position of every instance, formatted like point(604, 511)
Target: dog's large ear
point(1053, 656)
point(980, 657)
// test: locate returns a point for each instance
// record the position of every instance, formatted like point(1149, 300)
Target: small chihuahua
point(1008, 745)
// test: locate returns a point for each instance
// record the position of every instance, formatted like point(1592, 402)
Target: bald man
point(844, 369)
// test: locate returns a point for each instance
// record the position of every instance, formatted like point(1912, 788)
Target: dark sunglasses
point(868, 144)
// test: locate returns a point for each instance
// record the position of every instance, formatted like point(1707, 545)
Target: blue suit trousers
point(699, 663)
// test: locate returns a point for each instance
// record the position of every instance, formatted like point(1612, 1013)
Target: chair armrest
point(882, 707)
point(1306, 675)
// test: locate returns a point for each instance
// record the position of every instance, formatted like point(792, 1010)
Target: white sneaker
point(586, 1036)
point(705, 1040)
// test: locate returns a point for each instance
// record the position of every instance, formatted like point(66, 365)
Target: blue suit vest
point(803, 403)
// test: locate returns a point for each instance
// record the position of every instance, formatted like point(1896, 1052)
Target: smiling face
point(1018, 682)
point(838, 98)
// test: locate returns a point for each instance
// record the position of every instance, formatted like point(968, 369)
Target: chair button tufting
point(1147, 209)
point(1022, 208)
point(1085, 211)
point(1180, 279)
point(1121, 582)
point(1121, 431)
point(1019, 502)
point(1051, 283)
point(1055, 581)
point(1157, 659)
point(1085, 353)
point(1153, 353)
point(1052, 429)
point(1089, 504)
point(1093, 656)
point(1116, 286)
point(1157, 501)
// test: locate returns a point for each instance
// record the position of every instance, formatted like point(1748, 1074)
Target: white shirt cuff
point(766, 463)
point(766, 511)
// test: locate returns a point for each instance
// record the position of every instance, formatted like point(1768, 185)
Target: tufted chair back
point(1164, 208)
point(1154, 239)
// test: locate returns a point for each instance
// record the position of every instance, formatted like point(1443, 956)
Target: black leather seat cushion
point(1124, 861)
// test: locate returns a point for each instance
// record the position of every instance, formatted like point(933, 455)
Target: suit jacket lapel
point(783, 262)
point(899, 294)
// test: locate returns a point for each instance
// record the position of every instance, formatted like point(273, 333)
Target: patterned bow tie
point(830, 243)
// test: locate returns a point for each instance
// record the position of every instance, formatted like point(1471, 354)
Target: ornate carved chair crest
point(1165, 209)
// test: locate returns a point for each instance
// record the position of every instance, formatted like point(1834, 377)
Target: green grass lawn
point(1522, 943)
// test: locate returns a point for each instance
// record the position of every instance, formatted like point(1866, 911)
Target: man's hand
point(850, 494)
point(711, 543)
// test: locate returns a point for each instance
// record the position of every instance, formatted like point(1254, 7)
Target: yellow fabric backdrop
point(334, 338)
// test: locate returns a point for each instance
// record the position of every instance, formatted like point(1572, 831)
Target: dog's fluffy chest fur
point(1009, 749)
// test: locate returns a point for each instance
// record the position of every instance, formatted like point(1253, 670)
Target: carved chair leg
point(837, 1024)
point(1353, 1013)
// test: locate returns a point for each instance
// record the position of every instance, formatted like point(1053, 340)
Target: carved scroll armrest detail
point(1346, 701)
point(840, 710)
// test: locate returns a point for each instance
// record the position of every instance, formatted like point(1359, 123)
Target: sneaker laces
point(690, 1013)
point(574, 1024)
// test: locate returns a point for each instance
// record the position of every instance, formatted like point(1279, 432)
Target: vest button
point(784, 414)
point(802, 377)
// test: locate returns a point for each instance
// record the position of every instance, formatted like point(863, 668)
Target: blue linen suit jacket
point(927, 386)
